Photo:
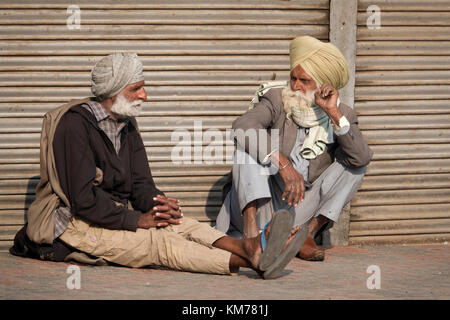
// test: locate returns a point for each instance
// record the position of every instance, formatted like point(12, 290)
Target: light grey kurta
point(251, 180)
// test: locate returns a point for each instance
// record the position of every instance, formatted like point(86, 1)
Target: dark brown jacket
point(349, 149)
point(82, 150)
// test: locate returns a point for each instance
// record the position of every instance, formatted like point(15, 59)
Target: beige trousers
point(185, 247)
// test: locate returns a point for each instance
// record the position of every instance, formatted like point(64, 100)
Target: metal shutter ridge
point(203, 60)
point(402, 96)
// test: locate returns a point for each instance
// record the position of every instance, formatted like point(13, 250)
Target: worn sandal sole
point(280, 230)
point(291, 251)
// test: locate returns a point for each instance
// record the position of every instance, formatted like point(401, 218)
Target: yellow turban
point(322, 61)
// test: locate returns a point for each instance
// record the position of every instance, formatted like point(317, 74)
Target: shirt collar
point(97, 110)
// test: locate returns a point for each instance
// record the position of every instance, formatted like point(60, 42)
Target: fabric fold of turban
point(114, 72)
point(321, 61)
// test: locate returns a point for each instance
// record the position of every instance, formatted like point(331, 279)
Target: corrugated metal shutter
point(402, 96)
point(202, 60)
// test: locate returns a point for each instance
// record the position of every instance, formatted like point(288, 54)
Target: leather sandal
point(273, 261)
point(280, 229)
point(310, 252)
point(288, 254)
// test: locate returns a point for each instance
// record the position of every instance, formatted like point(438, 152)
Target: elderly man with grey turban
point(298, 148)
point(97, 202)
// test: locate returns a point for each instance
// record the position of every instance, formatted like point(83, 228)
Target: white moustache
point(123, 107)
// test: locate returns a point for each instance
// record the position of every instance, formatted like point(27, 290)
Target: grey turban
point(114, 72)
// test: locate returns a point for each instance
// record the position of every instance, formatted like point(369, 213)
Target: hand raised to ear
point(326, 97)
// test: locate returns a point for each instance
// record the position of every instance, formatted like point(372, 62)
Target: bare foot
point(315, 224)
point(252, 246)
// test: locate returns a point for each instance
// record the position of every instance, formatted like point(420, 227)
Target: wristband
point(285, 166)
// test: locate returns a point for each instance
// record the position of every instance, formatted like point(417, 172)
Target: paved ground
point(406, 272)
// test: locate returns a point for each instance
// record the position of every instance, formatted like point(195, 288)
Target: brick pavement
point(407, 272)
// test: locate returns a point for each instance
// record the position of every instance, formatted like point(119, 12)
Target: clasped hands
point(167, 211)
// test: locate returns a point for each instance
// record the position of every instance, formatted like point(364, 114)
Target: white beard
point(297, 99)
point(126, 108)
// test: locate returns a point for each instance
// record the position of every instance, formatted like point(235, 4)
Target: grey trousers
point(329, 193)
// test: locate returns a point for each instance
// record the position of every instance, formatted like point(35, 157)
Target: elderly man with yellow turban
point(97, 202)
point(298, 148)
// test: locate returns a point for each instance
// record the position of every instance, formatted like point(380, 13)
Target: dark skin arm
point(294, 185)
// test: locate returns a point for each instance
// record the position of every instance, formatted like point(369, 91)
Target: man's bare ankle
point(250, 234)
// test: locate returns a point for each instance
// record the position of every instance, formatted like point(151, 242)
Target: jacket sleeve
point(250, 131)
point(352, 150)
point(144, 188)
point(75, 164)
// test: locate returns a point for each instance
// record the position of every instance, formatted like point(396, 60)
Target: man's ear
point(107, 103)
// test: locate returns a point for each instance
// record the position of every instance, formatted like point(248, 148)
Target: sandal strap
point(263, 237)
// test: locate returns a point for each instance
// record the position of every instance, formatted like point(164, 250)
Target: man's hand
point(148, 220)
point(326, 98)
point(167, 208)
point(166, 212)
point(294, 184)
